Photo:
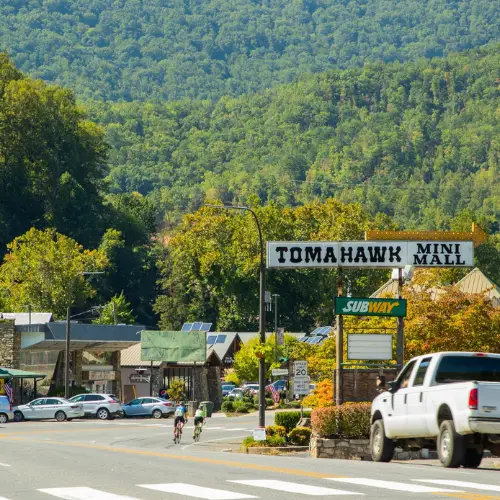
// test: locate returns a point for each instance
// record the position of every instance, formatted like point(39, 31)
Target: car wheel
point(450, 445)
point(381, 447)
point(18, 416)
point(60, 416)
point(472, 458)
point(102, 414)
point(157, 414)
point(3, 418)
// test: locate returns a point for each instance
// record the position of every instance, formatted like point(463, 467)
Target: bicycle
point(178, 433)
point(197, 432)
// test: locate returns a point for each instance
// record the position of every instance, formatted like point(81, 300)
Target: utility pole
point(275, 295)
point(339, 346)
point(400, 339)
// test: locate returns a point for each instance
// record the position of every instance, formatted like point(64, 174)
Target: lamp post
point(275, 295)
point(68, 329)
point(262, 312)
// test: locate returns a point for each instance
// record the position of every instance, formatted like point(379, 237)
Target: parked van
point(6, 413)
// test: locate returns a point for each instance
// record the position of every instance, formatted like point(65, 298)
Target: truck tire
point(381, 447)
point(450, 445)
point(472, 458)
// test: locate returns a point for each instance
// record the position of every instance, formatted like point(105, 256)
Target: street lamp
point(262, 313)
point(68, 329)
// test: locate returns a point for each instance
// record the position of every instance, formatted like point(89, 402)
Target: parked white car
point(449, 401)
point(6, 412)
point(47, 408)
point(102, 406)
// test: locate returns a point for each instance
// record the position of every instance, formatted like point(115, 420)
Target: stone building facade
point(10, 345)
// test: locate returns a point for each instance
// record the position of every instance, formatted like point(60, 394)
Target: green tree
point(117, 311)
point(177, 390)
point(44, 269)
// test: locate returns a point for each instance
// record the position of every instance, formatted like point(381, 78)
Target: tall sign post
point(339, 347)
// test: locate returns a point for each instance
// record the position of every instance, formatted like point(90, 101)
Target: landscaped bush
point(322, 395)
point(271, 441)
point(300, 436)
point(275, 430)
point(289, 419)
point(242, 409)
point(227, 406)
point(269, 402)
point(345, 421)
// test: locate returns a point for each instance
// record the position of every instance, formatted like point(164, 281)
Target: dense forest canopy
point(417, 141)
point(153, 49)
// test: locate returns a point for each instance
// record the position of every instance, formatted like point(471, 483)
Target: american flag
point(274, 392)
point(8, 391)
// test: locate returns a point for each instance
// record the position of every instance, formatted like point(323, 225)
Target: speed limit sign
point(300, 369)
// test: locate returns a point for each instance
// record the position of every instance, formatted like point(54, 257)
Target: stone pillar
point(77, 362)
point(10, 345)
point(116, 385)
point(214, 386)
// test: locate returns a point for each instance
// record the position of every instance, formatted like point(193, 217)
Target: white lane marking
point(190, 490)
point(461, 484)
point(302, 489)
point(390, 485)
point(3, 498)
point(83, 493)
point(4, 465)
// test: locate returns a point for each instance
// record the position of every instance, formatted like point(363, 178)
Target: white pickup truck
point(449, 401)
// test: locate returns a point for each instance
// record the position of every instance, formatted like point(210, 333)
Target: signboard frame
point(373, 345)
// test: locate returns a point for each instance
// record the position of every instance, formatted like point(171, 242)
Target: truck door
point(415, 401)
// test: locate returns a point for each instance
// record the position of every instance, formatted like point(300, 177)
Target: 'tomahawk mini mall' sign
point(370, 254)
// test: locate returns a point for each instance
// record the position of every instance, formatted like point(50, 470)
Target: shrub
point(345, 421)
point(271, 441)
point(227, 406)
point(300, 436)
point(248, 399)
point(59, 391)
point(275, 430)
point(292, 404)
point(289, 419)
point(269, 402)
point(230, 398)
point(242, 409)
point(322, 395)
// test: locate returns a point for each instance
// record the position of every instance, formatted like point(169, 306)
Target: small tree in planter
point(176, 390)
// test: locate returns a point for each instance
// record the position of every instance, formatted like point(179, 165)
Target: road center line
point(4, 465)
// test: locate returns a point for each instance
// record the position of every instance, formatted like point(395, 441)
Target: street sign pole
point(400, 342)
point(339, 347)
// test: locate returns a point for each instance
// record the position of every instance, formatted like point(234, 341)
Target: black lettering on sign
point(346, 254)
point(281, 251)
point(313, 254)
point(360, 255)
point(420, 260)
point(423, 248)
point(394, 254)
point(459, 262)
point(457, 248)
point(330, 256)
point(446, 248)
point(435, 260)
point(377, 254)
point(295, 255)
point(447, 260)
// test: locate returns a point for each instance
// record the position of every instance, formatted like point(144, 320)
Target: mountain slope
point(418, 141)
point(152, 49)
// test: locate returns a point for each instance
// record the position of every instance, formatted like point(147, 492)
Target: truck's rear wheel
point(382, 448)
point(472, 458)
point(450, 445)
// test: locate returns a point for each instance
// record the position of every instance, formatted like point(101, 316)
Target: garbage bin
point(208, 406)
point(192, 407)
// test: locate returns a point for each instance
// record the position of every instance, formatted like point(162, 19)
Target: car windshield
point(468, 368)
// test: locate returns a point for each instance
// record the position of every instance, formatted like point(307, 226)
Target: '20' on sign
point(300, 369)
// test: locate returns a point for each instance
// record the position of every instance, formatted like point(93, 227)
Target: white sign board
point(281, 336)
point(370, 254)
point(259, 434)
point(301, 386)
point(279, 371)
point(365, 346)
point(300, 369)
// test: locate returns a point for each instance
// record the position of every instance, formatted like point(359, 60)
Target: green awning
point(12, 373)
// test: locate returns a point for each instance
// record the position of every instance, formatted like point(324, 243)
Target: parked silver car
point(102, 406)
point(46, 408)
point(148, 407)
point(6, 412)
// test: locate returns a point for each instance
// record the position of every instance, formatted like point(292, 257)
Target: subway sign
point(369, 254)
point(350, 306)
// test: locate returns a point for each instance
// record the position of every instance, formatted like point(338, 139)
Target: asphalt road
point(136, 459)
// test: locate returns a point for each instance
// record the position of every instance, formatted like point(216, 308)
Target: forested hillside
point(153, 49)
point(418, 141)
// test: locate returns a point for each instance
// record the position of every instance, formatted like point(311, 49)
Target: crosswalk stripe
point(391, 485)
point(289, 487)
point(190, 490)
point(461, 484)
point(83, 493)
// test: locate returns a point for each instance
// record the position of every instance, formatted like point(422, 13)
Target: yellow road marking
point(213, 461)
point(471, 496)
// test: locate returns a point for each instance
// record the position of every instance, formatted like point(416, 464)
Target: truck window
point(404, 378)
point(422, 370)
point(467, 369)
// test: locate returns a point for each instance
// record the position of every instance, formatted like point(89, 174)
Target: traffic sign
point(279, 371)
point(301, 386)
point(280, 333)
point(300, 370)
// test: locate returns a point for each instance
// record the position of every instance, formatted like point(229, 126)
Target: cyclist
point(180, 416)
point(199, 418)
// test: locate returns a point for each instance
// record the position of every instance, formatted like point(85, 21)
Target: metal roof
point(131, 356)
point(13, 373)
point(477, 282)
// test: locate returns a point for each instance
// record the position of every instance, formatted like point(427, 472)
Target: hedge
point(289, 419)
point(272, 441)
point(345, 421)
point(300, 436)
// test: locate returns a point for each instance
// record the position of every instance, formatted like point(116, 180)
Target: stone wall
point(10, 345)
point(360, 384)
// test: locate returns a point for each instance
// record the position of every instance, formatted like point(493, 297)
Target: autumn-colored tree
point(321, 396)
point(44, 269)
